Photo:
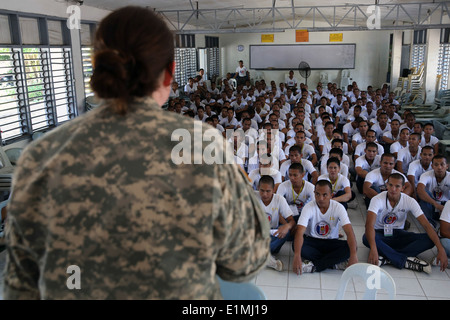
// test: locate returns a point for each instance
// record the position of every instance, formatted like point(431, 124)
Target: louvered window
point(36, 76)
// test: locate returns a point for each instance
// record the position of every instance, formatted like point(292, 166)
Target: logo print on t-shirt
point(322, 228)
point(437, 193)
point(390, 218)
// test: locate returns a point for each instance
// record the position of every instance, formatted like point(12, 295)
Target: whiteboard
point(318, 56)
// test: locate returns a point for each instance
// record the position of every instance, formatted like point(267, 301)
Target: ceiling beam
point(312, 18)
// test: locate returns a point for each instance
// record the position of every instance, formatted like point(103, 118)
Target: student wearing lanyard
point(341, 190)
point(317, 236)
point(384, 234)
point(433, 189)
point(296, 190)
point(280, 218)
point(375, 181)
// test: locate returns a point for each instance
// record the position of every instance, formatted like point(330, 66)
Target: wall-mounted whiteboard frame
point(318, 56)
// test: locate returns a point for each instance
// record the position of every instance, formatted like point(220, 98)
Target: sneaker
point(416, 264)
point(382, 261)
point(341, 266)
point(308, 267)
point(275, 263)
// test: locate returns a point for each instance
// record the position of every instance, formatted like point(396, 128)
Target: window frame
point(57, 90)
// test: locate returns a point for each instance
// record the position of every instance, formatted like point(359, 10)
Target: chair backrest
point(375, 279)
point(233, 82)
point(240, 291)
point(439, 129)
point(13, 154)
point(7, 166)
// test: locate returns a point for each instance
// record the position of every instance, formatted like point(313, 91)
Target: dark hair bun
point(110, 77)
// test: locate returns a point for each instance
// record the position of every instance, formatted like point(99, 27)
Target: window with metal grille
point(417, 55)
point(86, 55)
point(13, 116)
point(418, 48)
point(444, 59)
point(185, 65)
point(211, 58)
point(87, 34)
point(36, 76)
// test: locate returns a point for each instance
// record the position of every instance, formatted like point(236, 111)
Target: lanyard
point(298, 194)
point(333, 187)
point(394, 205)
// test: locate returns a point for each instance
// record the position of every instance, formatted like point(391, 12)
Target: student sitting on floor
point(296, 190)
point(280, 218)
point(433, 189)
point(385, 237)
point(340, 185)
point(317, 236)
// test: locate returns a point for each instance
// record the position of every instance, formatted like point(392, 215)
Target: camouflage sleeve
point(242, 229)
point(21, 273)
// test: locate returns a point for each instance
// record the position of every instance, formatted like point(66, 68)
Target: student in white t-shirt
point(296, 190)
point(280, 217)
point(406, 155)
point(291, 82)
point(433, 189)
point(317, 236)
point(341, 188)
point(420, 166)
point(306, 149)
point(242, 73)
point(265, 169)
point(445, 230)
point(295, 156)
point(366, 163)
point(334, 153)
point(370, 137)
point(375, 181)
point(190, 87)
point(401, 143)
point(384, 233)
point(428, 139)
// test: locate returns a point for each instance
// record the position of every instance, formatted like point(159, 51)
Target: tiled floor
point(286, 285)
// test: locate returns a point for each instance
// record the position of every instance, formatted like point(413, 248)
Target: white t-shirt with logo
point(386, 215)
point(278, 206)
point(242, 72)
point(308, 167)
point(339, 185)
point(415, 169)
point(296, 201)
point(323, 226)
point(439, 191)
point(376, 179)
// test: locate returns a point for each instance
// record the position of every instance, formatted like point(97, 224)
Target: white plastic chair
point(240, 290)
point(374, 277)
point(233, 82)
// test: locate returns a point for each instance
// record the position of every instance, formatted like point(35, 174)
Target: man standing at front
point(317, 235)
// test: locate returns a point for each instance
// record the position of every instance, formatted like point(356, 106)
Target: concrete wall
point(371, 62)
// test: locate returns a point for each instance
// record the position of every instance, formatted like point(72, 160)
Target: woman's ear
point(168, 74)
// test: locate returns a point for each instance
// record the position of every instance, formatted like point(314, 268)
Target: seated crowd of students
point(303, 150)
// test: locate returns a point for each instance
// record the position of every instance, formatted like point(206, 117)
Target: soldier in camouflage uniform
point(102, 193)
